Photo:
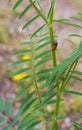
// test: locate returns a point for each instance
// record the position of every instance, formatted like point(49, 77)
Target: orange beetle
point(54, 46)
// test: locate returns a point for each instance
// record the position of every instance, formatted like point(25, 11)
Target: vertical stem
point(56, 111)
point(36, 87)
point(52, 40)
point(51, 32)
point(55, 124)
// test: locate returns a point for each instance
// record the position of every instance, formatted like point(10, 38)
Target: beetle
point(54, 46)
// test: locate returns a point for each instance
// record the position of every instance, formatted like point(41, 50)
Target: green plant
point(52, 79)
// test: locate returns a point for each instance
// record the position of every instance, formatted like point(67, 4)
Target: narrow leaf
point(17, 4)
point(39, 29)
point(80, 46)
point(62, 117)
point(42, 62)
point(21, 71)
point(69, 24)
point(76, 78)
point(73, 92)
point(77, 72)
point(20, 62)
point(29, 22)
point(75, 35)
point(2, 121)
point(72, 42)
point(46, 53)
point(76, 18)
point(42, 46)
point(80, 116)
point(1, 104)
point(8, 108)
point(22, 52)
point(45, 71)
point(45, 39)
point(50, 10)
point(22, 92)
point(7, 127)
point(28, 42)
point(25, 11)
point(77, 125)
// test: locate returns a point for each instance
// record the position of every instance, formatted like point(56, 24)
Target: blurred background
point(11, 35)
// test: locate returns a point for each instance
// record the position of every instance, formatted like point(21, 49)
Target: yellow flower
point(18, 77)
point(25, 57)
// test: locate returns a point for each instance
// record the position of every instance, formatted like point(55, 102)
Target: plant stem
point(52, 32)
point(36, 87)
point(52, 40)
point(39, 12)
point(54, 124)
point(5, 117)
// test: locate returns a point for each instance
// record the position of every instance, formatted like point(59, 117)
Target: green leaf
point(22, 52)
point(39, 29)
point(9, 0)
point(2, 121)
point(46, 53)
point(73, 92)
point(33, 124)
point(50, 12)
point(69, 24)
point(27, 43)
point(16, 117)
point(59, 70)
point(29, 22)
point(43, 78)
point(62, 117)
point(80, 14)
point(17, 4)
point(43, 34)
point(80, 46)
point(45, 71)
point(24, 106)
point(30, 124)
point(7, 127)
point(42, 62)
point(72, 42)
point(27, 99)
point(42, 46)
point(28, 107)
point(31, 104)
point(76, 78)
point(45, 39)
point(44, 104)
point(20, 62)
point(76, 18)
point(77, 72)
point(25, 11)
point(61, 20)
point(1, 104)
point(21, 71)
point(23, 91)
point(80, 116)
point(77, 125)
point(8, 108)
point(75, 35)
